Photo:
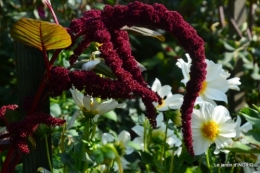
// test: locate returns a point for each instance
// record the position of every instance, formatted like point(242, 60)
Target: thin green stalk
point(48, 154)
point(207, 160)
point(227, 158)
point(85, 137)
point(232, 168)
point(165, 139)
point(171, 165)
point(93, 130)
point(146, 140)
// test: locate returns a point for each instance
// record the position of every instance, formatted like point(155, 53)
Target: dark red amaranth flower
point(105, 27)
point(58, 80)
point(97, 86)
point(4, 108)
point(27, 126)
point(122, 45)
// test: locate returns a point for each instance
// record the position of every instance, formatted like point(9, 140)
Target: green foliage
point(238, 55)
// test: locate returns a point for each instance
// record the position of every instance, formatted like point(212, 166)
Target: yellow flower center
point(210, 130)
point(160, 105)
point(203, 87)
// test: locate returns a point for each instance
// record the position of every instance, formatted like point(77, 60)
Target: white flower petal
point(140, 143)
point(185, 67)
point(220, 114)
point(124, 136)
point(206, 110)
point(77, 97)
point(165, 91)
point(213, 70)
point(72, 120)
point(140, 66)
point(215, 94)
point(246, 127)
point(107, 106)
point(175, 101)
point(90, 65)
point(121, 105)
point(200, 145)
point(107, 137)
point(219, 84)
point(87, 101)
point(95, 119)
point(139, 130)
point(233, 82)
point(159, 118)
point(156, 85)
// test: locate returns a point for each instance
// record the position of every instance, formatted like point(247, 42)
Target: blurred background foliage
point(229, 28)
point(237, 49)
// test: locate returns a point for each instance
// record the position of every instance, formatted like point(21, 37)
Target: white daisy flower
point(158, 135)
point(121, 144)
point(169, 100)
point(216, 84)
point(211, 125)
point(91, 106)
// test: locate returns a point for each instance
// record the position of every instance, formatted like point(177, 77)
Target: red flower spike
point(27, 126)
point(59, 80)
point(3, 109)
point(105, 28)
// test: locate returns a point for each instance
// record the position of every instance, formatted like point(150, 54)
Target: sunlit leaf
point(239, 147)
point(253, 136)
point(144, 32)
point(255, 75)
point(229, 47)
point(39, 34)
point(111, 115)
point(251, 116)
point(55, 110)
point(43, 170)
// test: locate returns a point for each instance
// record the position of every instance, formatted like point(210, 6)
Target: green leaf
point(39, 34)
point(57, 164)
point(55, 110)
point(144, 32)
point(253, 136)
point(111, 115)
point(43, 170)
point(255, 75)
point(229, 47)
point(251, 116)
point(97, 156)
point(147, 158)
point(239, 147)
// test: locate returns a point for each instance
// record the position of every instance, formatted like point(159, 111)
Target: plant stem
point(232, 168)
point(48, 154)
point(146, 140)
point(207, 160)
point(165, 139)
point(171, 165)
point(85, 137)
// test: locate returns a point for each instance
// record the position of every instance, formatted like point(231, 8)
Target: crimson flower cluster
point(19, 131)
point(105, 26)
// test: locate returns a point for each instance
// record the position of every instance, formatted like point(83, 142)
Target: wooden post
point(30, 69)
point(237, 10)
point(238, 15)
